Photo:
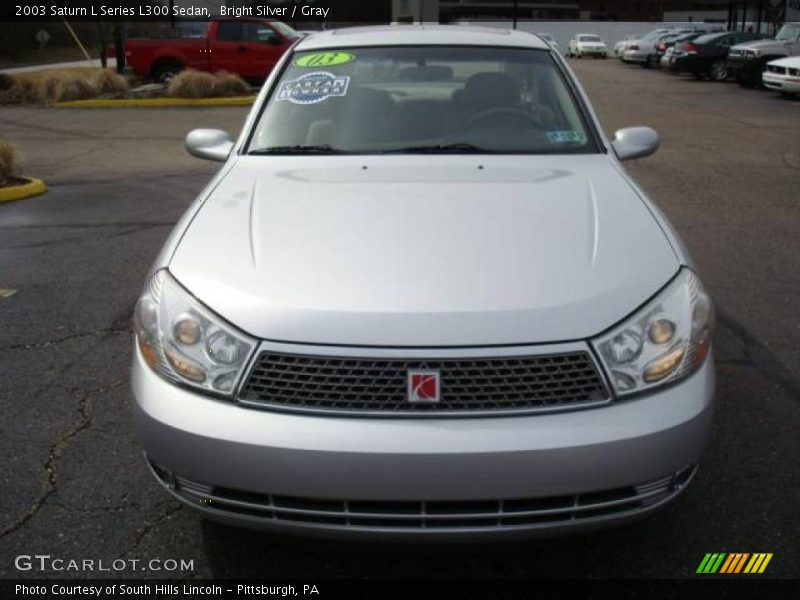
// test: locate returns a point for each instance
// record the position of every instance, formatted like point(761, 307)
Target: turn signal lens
point(184, 366)
point(660, 368)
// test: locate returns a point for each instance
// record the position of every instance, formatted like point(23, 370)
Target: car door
point(247, 48)
point(267, 47)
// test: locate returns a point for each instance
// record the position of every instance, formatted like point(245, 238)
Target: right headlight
point(184, 342)
point(664, 341)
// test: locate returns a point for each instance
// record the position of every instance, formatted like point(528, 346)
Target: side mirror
point(209, 144)
point(635, 142)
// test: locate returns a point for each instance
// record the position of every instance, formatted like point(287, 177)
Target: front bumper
point(782, 83)
point(745, 69)
point(435, 478)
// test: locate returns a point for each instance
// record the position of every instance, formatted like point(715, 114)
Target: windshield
point(419, 99)
point(709, 38)
point(788, 33)
point(588, 38)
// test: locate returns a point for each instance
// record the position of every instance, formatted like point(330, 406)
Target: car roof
point(415, 35)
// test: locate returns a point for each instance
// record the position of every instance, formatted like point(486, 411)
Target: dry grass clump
point(61, 85)
point(230, 84)
point(198, 84)
point(7, 163)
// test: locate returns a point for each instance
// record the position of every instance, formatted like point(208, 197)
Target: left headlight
point(666, 340)
point(184, 342)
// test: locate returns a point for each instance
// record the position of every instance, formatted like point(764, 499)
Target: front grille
point(355, 385)
point(432, 515)
point(776, 69)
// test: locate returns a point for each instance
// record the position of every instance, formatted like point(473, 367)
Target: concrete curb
point(31, 187)
point(158, 102)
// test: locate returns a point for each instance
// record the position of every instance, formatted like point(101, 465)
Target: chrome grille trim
point(471, 384)
point(417, 515)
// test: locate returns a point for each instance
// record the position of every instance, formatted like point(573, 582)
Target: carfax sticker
point(313, 88)
point(324, 59)
point(566, 137)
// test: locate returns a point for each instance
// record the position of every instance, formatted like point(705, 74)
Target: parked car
point(621, 46)
point(638, 51)
point(783, 75)
point(665, 48)
point(587, 44)
point(249, 48)
point(706, 56)
point(547, 37)
point(423, 311)
point(747, 61)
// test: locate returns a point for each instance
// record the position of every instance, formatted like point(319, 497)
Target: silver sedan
point(423, 299)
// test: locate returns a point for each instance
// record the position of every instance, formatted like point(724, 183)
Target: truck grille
point(355, 385)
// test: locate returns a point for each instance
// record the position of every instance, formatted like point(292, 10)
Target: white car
point(548, 37)
point(422, 299)
point(622, 45)
point(783, 75)
point(587, 44)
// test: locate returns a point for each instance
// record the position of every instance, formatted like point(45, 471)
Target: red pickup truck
point(249, 48)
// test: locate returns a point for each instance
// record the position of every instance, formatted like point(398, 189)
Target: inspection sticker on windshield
point(566, 137)
point(324, 59)
point(313, 88)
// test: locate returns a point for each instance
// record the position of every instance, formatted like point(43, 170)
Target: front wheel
point(165, 72)
point(719, 71)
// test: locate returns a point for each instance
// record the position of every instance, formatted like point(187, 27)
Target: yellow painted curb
point(158, 102)
point(32, 187)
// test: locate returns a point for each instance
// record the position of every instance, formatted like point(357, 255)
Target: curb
point(158, 102)
point(32, 187)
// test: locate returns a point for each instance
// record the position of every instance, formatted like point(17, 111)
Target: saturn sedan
point(422, 299)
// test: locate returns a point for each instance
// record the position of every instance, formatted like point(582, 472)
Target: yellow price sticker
point(324, 59)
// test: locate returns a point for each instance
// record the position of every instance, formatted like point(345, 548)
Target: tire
point(164, 72)
point(719, 71)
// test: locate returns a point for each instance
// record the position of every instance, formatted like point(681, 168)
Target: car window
point(403, 99)
point(285, 30)
point(230, 31)
point(259, 33)
point(588, 38)
point(788, 33)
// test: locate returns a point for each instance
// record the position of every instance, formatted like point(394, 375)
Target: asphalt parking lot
point(74, 484)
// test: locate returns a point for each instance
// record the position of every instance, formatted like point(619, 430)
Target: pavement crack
point(65, 240)
point(116, 329)
point(56, 451)
point(758, 357)
point(149, 525)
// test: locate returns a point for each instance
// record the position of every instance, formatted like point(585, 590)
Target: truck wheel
point(164, 72)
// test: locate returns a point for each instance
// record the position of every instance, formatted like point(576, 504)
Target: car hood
point(424, 250)
point(758, 44)
point(792, 62)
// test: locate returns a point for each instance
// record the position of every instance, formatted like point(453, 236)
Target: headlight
point(752, 53)
point(666, 340)
point(184, 342)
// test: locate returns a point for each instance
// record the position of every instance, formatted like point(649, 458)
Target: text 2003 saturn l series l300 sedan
point(422, 299)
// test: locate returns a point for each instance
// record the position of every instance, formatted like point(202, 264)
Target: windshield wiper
point(322, 149)
point(456, 148)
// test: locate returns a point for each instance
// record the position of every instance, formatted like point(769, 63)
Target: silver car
point(423, 299)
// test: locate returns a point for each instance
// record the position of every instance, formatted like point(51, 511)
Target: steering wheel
point(509, 111)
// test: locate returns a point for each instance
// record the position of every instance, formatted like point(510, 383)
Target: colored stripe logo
point(734, 563)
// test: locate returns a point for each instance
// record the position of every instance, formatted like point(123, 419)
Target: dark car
point(666, 48)
point(706, 56)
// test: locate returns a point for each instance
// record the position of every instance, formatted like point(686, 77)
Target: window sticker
point(313, 88)
point(566, 137)
point(324, 59)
